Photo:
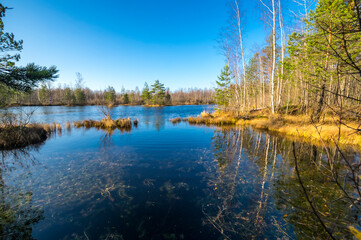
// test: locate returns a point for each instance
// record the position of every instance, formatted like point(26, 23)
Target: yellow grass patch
point(327, 131)
point(107, 123)
point(299, 127)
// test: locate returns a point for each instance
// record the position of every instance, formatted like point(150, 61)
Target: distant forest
point(156, 94)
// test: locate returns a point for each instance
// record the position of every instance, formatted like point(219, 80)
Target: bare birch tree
point(272, 11)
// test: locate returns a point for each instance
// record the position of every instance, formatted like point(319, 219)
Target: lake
point(168, 181)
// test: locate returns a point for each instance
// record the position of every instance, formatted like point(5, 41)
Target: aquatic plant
point(106, 123)
point(175, 120)
point(217, 118)
point(17, 132)
point(135, 122)
point(21, 136)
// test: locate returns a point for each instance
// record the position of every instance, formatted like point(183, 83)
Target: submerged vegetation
point(272, 203)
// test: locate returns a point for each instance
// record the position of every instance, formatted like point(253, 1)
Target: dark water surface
point(162, 181)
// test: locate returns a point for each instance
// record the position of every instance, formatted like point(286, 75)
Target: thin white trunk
point(261, 77)
point(280, 17)
point(242, 52)
point(273, 55)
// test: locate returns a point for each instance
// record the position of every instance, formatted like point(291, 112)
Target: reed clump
point(135, 122)
point(68, 126)
point(106, 123)
point(175, 120)
point(51, 128)
point(217, 118)
point(21, 136)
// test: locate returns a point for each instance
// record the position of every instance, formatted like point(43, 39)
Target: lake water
point(167, 181)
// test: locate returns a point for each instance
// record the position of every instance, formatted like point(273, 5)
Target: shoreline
point(297, 127)
point(115, 105)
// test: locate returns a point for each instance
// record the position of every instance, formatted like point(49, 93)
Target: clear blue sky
point(126, 43)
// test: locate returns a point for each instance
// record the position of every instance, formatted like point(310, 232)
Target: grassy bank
point(21, 136)
point(96, 104)
point(297, 126)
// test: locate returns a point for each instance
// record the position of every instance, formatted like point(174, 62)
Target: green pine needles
point(14, 78)
point(223, 92)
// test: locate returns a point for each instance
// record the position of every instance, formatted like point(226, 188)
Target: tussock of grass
point(135, 122)
point(217, 118)
point(107, 123)
point(175, 120)
point(51, 127)
point(21, 136)
point(68, 126)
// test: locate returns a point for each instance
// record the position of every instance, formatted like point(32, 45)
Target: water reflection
point(175, 182)
point(18, 212)
point(255, 192)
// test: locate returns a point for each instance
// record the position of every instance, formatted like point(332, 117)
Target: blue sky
point(126, 43)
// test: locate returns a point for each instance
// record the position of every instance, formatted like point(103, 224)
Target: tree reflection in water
point(255, 191)
point(18, 213)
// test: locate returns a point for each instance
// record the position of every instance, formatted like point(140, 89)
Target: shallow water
point(163, 181)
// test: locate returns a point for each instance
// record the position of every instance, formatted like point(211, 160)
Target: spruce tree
point(158, 93)
point(223, 92)
point(110, 96)
point(146, 96)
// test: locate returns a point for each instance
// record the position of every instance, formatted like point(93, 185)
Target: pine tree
point(146, 95)
point(43, 94)
point(223, 92)
point(126, 98)
point(13, 78)
point(158, 93)
point(110, 96)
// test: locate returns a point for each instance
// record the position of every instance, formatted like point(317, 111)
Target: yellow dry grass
point(217, 118)
point(328, 131)
point(175, 120)
point(68, 126)
point(106, 123)
point(300, 127)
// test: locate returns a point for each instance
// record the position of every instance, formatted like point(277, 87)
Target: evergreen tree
point(158, 93)
point(80, 96)
point(14, 78)
point(223, 92)
point(146, 95)
point(110, 96)
point(167, 97)
point(126, 98)
point(43, 94)
point(69, 96)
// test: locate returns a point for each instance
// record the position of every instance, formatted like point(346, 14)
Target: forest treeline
point(311, 65)
point(156, 94)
